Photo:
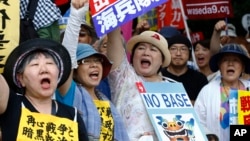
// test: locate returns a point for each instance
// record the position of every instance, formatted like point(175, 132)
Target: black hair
point(205, 43)
point(32, 55)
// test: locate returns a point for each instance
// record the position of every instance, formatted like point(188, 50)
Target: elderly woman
point(32, 73)
point(212, 104)
point(149, 53)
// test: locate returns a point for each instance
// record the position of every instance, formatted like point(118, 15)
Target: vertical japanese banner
point(243, 107)
point(169, 14)
point(233, 104)
point(110, 14)
point(9, 29)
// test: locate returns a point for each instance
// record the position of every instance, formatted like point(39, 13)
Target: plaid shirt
point(46, 13)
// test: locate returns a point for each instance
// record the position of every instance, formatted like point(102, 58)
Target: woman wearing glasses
point(101, 118)
point(80, 90)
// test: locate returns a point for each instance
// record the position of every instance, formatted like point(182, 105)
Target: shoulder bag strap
point(31, 9)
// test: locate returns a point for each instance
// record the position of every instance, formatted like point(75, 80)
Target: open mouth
point(230, 71)
point(200, 58)
point(175, 133)
point(94, 74)
point(45, 82)
point(145, 63)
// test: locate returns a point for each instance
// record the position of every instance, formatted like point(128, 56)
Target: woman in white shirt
point(212, 104)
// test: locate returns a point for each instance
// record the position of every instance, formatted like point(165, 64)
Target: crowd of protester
point(87, 82)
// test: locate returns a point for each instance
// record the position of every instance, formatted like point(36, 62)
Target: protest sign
point(110, 14)
point(9, 25)
point(209, 9)
point(169, 14)
point(239, 107)
point(244, 107)
point(233, 103)
point(239, 114)
point(170, 111)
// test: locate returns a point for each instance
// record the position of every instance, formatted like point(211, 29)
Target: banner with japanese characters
point(207, 9)
point(239, 107)
point(233, 104)
point(9, 27)
point(239, 114)
point(244, 107)
point(169, 14)
point(196, 36)
point(44, 127)
point(110, 14)
point(170, 111)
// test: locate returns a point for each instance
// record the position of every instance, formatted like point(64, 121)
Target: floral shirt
point(128, 101)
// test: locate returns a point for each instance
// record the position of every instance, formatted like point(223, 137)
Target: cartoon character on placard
point(177, 129)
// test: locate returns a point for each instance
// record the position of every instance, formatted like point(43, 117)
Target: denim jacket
point(91, 117)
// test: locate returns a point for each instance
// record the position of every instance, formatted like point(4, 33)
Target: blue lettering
point(148, 100)
point(155, 99)
point(185, 99)
point(173, 101)
point(151, 101)
point(165, 99)
point(178, 97)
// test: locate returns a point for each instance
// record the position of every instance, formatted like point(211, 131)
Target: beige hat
point(154, 38)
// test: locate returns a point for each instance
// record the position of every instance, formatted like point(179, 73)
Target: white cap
point(248, 40)
point(231, 31)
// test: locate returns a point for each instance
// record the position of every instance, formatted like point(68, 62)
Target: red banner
point(196, 36)
point(207, 9)
point(169, 14)
point(97, 6)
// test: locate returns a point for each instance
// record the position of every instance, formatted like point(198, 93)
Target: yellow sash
point(44, 127)
point(107, 128)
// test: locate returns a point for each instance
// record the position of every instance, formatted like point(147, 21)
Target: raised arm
point(4, 94)
point(141, 26)
point(215, 39)
point(115, 48)
point(70, 40)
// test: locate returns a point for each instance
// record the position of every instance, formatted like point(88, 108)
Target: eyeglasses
point(181, 49)
point(89, 61)
point(83, 33)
